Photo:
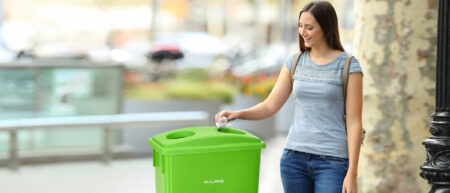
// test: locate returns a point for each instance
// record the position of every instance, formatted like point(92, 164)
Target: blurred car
point(271, 62)
point(8, 55)
point(61, 50)
point(131, 54)
point(198, 49)
point(164, 51)
point(238, 49)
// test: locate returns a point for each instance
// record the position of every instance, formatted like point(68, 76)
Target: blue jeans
point(310, 173)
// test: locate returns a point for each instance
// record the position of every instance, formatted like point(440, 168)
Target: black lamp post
point(436, 168)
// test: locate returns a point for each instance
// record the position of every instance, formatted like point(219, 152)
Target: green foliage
point(144, 92)
point(200, 90)
point(188, 84)
point(224, 91)
point(187, 90)
point(193, 74)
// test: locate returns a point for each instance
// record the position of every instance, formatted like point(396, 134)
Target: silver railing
point(187, 118)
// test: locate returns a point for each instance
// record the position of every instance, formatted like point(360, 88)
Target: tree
point(395, 41)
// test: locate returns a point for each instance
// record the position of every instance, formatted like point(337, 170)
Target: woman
point(322, 149)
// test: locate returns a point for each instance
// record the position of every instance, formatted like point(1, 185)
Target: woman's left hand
point(349, 185)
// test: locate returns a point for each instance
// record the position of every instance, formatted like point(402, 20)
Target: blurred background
point(72, 58)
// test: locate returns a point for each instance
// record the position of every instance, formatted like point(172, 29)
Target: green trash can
point(206, 160)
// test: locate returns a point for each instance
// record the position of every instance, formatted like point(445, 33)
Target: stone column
point(395, 41)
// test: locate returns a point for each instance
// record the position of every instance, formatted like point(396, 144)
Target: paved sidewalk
point(121, 176)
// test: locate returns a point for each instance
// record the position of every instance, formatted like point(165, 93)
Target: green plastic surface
point(206, 160)
point(204, 139)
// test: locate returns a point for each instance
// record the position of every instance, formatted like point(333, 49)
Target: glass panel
point(4, 141)
point(53, 91)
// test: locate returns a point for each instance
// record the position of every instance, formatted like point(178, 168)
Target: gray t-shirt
point(319, 126)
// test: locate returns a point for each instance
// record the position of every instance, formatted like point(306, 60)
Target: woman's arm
point(354, 129)
point(354, 119)
point(272, 104)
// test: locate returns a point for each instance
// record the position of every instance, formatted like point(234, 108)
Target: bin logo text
point(213, 181)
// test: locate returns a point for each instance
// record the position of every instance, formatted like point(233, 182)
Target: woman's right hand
point(230, 115)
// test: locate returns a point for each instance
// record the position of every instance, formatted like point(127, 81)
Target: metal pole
point(224, 18)
point(13, 156)
point(2, 41)
point(286, 35)
point(155, 9)
point(256, 31)
point(436, 169)
point(107, 145)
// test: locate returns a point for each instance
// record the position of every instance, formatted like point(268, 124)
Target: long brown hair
point(325, 15)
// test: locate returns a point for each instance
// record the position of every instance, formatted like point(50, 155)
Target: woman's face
point(309, 29)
